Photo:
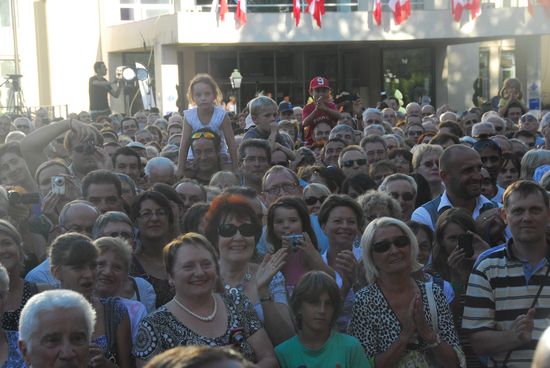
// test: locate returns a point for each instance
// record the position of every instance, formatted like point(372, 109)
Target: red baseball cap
point(318, 82)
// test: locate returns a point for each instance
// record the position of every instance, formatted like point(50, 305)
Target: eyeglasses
point(121, 234)
point(229, 230)
point(492, 159)
point(498, 128)
point(207, 135)
point(430, 164)
point(285, 188)
point(310, 201)
point(349, 163)
point(470, 122)
point(372, 121)
point(383, 246)
point(147, 215)
point(407, 196)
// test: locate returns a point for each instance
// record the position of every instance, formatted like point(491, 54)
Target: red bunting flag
point(241, 12)
point(223, 9)
point(458, 6)
point(296, 10)
point(317, 9)
point(377, 12)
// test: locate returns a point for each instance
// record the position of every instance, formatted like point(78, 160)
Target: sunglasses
point(385, 245)
point(372, 121)
point(407, 196)
point(207, 135)
point(310, 201)
point(360, 162)
point(229, 230)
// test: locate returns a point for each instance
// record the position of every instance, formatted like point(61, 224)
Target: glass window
point(507, 65)
point(410, 71)
point(482, 84)
point(127, 1)
point(126, 14)
point(156, 1)
point(5, 13)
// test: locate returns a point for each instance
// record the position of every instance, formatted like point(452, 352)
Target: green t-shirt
point(340, 350)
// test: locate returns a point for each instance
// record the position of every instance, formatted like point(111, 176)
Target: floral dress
point(161, 331)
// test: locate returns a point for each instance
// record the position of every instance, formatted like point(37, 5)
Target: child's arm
point(230, 140)
point(184, 148)
point(308, 120)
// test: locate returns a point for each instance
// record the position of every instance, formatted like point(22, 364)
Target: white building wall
point(462, 69)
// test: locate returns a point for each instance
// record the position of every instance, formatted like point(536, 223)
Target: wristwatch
point(436, 343)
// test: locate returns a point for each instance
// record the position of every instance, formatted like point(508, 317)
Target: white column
point(166, 74)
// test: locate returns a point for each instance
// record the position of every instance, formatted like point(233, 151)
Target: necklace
point(237, 290)
point(205, 319)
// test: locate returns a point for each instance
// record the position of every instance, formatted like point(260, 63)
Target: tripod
point(16, 101)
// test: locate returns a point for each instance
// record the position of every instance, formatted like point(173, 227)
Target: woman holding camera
point(234, 229)
point(198, 314)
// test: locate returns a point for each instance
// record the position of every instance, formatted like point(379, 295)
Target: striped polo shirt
point(502, 287)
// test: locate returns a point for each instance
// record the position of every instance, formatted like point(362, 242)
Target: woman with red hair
point(234, 229)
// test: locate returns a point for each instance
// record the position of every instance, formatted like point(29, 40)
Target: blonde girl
point(205, 96)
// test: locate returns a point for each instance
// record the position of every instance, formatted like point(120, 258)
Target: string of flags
point(401, 10)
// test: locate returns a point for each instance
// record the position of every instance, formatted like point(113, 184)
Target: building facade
point(428, 55)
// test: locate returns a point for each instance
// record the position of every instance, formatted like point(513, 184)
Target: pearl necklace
point(208, 318)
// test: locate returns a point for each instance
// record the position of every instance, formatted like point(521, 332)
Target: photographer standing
point(98, 87)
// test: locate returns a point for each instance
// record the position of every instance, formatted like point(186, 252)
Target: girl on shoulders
point(205, 95)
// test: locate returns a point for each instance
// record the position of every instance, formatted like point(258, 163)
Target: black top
point(98, 94)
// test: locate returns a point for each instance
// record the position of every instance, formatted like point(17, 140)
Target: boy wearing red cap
point(320, 110)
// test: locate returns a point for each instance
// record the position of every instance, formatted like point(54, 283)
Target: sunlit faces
point(129, 127)
point(286, 221)
point(375, 152)
point(264, 118)
point(404, 192)
point(13, 169)
point(341, 227)
point(10, 252)
point(254, 163)
point(353, 162)
point(128, 165)
point(203, 94)
point(111, 274)
point(118, 229)
point(451, 232)
point(194, 271)
point(105, 197)
point(331, 151)
point(397, 259)
point(153, 222)
point(429, 167)
point(514, 113)
point(527, 216)
point(144, 137)
point(321, 132)
point(317, 316)
point(314, 198)
point(205, 154)
point(280, 183)
point(508, 174)
point(80, 218)
point(491, 160)
point(190, 193)
point(60, 339)
point(463, 178)
point(238, 247)
point(488, 186)
point(80, 278)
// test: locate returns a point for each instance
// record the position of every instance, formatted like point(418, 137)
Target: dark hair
point(11, 147)
point(100, 177)
point(423, 191)
point(361, 183)
point(295, 203)
point(512, 105)
point(224, 205)
point(256, 143)
point(156, 197)
point(402, 152)
point(309, 289)
point(441, 138)
point(97, 65)
point(193, 217)
point(72, 249)
point(167, 191)
point(416, 227)
point(196, 356)
point(126, 151)
point(155, 130)
point(521, 133)
point(216, 141)
point(524, 187)
point(340, 200)
point(332, 175)
point(244, 191)
point(457, 216)
point(482, 144)
point(453, 127)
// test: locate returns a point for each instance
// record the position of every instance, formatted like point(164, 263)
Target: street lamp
point(236, 79)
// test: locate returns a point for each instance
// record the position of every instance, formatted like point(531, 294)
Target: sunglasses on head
point(207, 135)
point(349, 163)
point(384, 245)
point(310, 201)
point(229, 230)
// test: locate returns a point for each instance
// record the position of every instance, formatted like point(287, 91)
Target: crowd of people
point(328, 235)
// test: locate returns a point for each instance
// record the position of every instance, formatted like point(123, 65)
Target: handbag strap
point(429, 286)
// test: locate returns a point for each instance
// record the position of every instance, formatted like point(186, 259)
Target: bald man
point(460, 171)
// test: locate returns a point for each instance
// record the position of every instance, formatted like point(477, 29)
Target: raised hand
point(522, 327)
point(271, 264)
